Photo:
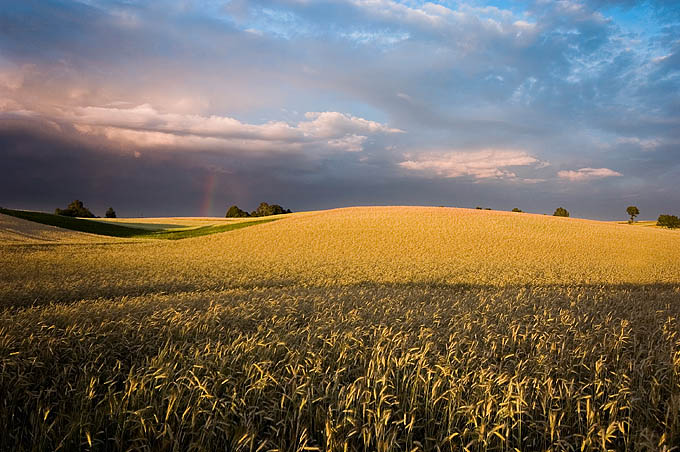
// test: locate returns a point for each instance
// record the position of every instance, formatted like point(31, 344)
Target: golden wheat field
point(358, 329)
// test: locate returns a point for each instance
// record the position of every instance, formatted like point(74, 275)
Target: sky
point(183, 108)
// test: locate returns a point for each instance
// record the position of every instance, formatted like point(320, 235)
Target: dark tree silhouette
point(633, 212)
point(561, 212)
point(235, 212)
point(110, 213)
point(264, 210)
point(75, 209)
point(668, 221)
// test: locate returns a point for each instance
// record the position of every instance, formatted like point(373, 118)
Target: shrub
point(633, 211)
point(264, 210)
point(516, 210)
point(110, 213)
point(478, 208)
point(235, 212)
point(668, 221)
point(75, 209)
point(561, 212)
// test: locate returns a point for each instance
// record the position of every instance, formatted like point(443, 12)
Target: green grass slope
point(115, 230)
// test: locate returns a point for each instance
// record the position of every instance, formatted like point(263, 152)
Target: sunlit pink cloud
point(585, 174)
point(145, 127)
point(484, 164)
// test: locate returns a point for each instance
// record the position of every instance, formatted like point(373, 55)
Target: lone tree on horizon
point(110, 213)
point(633, 211)
point(561, 212)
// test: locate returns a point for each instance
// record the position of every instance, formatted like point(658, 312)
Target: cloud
point(12, 76)
point(645, 144)
point(576, 81)
point(350, 143)
point(585, 174)
point(485, 164)
point(146, 118)
point(144, 126)
point(331, 124)
point(11, 79)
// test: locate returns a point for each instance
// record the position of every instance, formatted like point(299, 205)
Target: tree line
point(78, 209)
point(263, 210)
point(664, 220)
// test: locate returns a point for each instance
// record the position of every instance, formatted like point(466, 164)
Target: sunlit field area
point(173, 223)
point(371, 329)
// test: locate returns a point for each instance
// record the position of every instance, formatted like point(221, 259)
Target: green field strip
point(114, 230)
point(203, 230)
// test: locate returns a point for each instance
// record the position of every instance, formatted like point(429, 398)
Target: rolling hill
point(368, 328)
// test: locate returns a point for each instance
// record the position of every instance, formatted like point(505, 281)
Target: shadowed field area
point(396, 328)
point(123, 229)
point(15, 230)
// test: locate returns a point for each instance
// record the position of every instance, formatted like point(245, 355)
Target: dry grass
point(355, 329)
point(642, 223)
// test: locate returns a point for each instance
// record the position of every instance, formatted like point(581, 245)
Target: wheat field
point(367, 329)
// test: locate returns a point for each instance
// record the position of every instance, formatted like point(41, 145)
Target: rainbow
point(208, 192)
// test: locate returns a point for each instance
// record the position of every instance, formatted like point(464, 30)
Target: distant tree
point(561, 212)
point(478, 208)
point(264, 210)
point(110, 213)
point(75, 209)
point(516, 210)
point(668, 221)
point(633, 212)
point(487, 208)
point(235, 212)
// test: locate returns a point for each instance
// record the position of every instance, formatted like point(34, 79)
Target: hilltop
point(394, 245)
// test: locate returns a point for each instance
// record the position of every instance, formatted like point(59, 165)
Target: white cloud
point(585, 174)
point(146, 126)
point(645, 144)
point(350, 143)
point(146, 118)
point(331, 124)
point(383, 38)
point(485, 164)
point(468, 20)
point(531, 180)
point(431, 15)
point(160, 140)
